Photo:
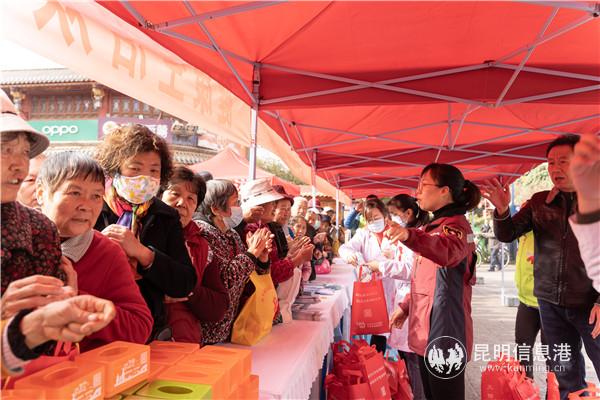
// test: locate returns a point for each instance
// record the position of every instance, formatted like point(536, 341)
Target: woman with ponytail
point(438, 306)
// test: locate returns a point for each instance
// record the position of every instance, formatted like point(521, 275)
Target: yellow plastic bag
point(256, 318)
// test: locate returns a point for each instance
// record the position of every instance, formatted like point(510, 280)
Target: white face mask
point(136, 189)
point(376, 226)
point(237, 215)
point(398, 220)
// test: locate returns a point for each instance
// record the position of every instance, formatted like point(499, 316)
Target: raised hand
point(585, 173)
point(497, 193)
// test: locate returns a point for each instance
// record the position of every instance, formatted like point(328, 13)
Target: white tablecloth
point(288, 360)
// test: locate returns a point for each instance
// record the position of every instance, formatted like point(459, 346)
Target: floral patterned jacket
point(236, 265)
point(30, 244)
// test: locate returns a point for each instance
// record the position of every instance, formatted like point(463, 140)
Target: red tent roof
point(229, 165)
point(370, 92)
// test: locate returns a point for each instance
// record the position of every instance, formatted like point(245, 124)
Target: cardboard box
point(165, 358)
point(247, 390)
point(22, 394)
point(125, 365)
point(241, 358)
point(217, 379)
point(67, 380)
point(177, 347)
point(172, 390)
point(213, 361)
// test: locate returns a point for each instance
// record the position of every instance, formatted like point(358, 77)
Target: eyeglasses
point(422, 184)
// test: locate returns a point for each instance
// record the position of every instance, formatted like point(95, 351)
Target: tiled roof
point(36, 76)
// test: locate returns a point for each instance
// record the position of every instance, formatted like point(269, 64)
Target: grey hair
point(67, 165)
point(218, 192)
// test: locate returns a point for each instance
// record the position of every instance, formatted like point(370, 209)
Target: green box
point(134, 389)
point(172, 390)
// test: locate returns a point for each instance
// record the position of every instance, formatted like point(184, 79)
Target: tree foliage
point(278, 169)
point(531, 182)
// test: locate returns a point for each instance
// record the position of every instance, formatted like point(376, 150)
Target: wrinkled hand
point(253, 214)
point(352, 259)
point(68, 320)
point(373, 266)
point(306, 253)
point(320, 237)
point(595, 320)
point(396, 234)
point(257, 242)
point(125, 238)
point(585, 173)
point(33, 292)
point(398, 318)
point(497, 193)
point(67, 266)
point(264, 256)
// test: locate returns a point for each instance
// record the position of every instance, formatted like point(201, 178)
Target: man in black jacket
point(569, 305)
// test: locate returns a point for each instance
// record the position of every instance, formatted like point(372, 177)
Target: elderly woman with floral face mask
point(138, 163)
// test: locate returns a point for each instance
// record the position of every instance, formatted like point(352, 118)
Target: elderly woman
point(70, 187)
point(34, 313)
point(138, 163)
point(220, 214)
point(209, 300)
point(283, 211)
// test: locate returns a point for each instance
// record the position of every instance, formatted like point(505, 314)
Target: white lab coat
point(395, 265)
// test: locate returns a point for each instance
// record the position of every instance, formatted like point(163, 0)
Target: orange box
point(155, 369)
point(23, 394)
point(241, 357)
point(125, 364)
point(247, 390)
point(165, 358)
point(67, 380)
point(177, 347)
point(217, 379)
point(227, 364)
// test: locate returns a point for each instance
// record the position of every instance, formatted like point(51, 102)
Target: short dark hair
point(405, 202)
point(13, 135)
point(372, 197)
point(464, 192)
point(378, 204)
point(218, 191)
point(185, 175)
point(564, 140)
point(68, 165)
point(130, 140)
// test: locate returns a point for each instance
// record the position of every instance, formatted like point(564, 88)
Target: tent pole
point(254, 125)
point(337, 206)
point(313, 179)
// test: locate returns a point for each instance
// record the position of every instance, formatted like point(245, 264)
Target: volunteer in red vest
point(438, 307)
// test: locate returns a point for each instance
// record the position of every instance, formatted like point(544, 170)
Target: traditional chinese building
point(75, 112)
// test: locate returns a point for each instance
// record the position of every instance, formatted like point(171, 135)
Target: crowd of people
point(126, 245)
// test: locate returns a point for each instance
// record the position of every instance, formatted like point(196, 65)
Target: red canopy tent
point(229, 165)
point(367, 93)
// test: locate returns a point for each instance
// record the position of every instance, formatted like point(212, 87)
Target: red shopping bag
point(369, 310)
point(340, 390)
point(64, 351)
point(505, 379)
point(552, 392)
point(593, 393)
point(398, 379)
point(373, 369)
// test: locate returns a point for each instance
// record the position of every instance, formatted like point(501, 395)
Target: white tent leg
point(254, 127)
point(313, 179)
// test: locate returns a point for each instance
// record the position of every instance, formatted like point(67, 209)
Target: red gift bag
point(64, 351)
point(505, 379)
point(552, 392)
point(592, 390)
point(373, 369)
point(369, 310)
point(398, 379)
point(339, 390)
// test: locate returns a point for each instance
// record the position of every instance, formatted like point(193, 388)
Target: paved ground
point(494, 325)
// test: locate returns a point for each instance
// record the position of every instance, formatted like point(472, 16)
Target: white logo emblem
point(446, 357)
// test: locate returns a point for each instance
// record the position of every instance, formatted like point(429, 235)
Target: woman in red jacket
point(69, 189)
point(438, 307)
point(209, 300)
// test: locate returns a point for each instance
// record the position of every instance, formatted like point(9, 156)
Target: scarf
point(130, 216)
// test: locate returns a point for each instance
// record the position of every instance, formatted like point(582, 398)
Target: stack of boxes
point(162, 370)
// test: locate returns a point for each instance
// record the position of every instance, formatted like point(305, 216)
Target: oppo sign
point(60, 130)
point(64, 130)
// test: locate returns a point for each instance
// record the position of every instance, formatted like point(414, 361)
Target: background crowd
point(128, 246)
